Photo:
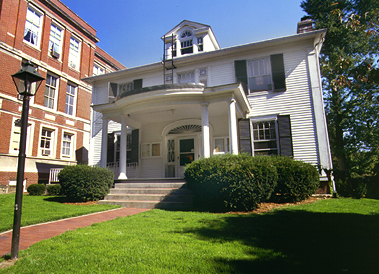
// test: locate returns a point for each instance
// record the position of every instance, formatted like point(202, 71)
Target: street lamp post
point(23, 80)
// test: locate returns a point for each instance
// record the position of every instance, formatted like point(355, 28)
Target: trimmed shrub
point(36, 189)
point(53, 190)
point(296, 180)
point(85, 183)
point(230, 182)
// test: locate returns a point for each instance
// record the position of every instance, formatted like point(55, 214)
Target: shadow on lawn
point(298, 242)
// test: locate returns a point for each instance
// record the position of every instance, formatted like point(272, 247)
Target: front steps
point(150, 193)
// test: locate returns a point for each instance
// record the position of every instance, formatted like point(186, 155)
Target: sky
point(131, 30)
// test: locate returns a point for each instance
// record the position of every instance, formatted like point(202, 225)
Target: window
point(74, 56)
point(67, 144)
point(50, 88)
point(15, 138)
point(70, 99)
point(187, 77)
point(259, 74)
point(151, 150)
point(186, 47)
point(46, 144)
point(55, 41)
point(264, 74)
point(221, 145)
point(203, 75)
point(265, 140)
point(200, 46)
point(33, 27)
point(98, 70)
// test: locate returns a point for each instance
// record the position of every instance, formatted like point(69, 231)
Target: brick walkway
point(30, 235)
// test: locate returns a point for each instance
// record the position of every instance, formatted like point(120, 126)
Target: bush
point(53, 190)
point(230, 182)
point(297, 180)
point(85, 183)
point(36, 189)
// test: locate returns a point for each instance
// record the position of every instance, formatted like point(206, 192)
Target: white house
point(260, 98)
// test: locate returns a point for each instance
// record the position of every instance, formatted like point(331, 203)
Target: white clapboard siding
point(297, 102)
point(222, 74)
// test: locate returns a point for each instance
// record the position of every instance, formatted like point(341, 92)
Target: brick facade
point(15, 49)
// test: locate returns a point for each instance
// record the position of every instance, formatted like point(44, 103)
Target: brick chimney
point(305, 25)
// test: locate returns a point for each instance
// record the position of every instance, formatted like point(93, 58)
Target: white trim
point(71, 156)
point(40, 29)
point(53, 141)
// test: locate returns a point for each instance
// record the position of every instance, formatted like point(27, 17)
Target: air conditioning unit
point(46, 152)
point(54, 54)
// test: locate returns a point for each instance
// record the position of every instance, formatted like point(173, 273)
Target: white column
point(122, 174)
point(205, 131)
point(104, 143)
point(233, 138)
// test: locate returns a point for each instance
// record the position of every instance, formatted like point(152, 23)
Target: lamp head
point(25, 77)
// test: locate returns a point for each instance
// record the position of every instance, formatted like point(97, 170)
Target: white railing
point(53, 176)
point(131, 169)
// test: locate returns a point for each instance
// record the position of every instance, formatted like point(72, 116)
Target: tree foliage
point(349, 67)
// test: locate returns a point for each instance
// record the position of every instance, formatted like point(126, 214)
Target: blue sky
point(130, 30)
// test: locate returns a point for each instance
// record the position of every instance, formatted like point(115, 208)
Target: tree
point(349, 67)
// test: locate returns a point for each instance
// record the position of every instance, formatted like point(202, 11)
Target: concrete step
point(150, 193)
point(150, 204)
point(149, 197)
point(180, 191)
point(149, 185)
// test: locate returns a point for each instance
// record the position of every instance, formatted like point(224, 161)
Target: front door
point(186, 153)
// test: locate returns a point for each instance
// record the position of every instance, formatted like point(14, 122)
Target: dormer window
point(200, 44)
point(185, 34)
point(186, 47)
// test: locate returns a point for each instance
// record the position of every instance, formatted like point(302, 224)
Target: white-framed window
point(186, 77)
point(55, 43)
point(150, 150)
point(50, 91)
point(67, 144)
point(15, 137)
point(200, 44)
point(221, 145)
point(47, 141)
point(265, 141)
point(33, 27)
point(74, 55)
point(203, 76)
point(259, 74)
point(70, 99)
point(126, 87)
point(98, 70)
point(186, 46)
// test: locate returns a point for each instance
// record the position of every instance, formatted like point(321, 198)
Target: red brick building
point(63, 46)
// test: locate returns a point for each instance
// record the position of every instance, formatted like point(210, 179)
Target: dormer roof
point(197, 28)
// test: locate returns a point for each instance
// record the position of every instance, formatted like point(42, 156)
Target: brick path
point(30, 235)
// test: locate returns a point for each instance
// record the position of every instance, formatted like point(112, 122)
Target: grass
point(329, 236)
point(39, 209)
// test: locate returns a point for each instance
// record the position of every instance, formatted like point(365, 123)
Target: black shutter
point(113, 89)
point(110, 148)
point(241, 74)
point(134, 148)
point(137, 84)
point(244, 136)
point(278, 73)
point(285, 135)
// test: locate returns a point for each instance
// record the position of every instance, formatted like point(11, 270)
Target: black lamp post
point(23, 79)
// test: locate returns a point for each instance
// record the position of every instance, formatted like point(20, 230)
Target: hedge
point(36, 189)
point(85, 183)
point(230, 182)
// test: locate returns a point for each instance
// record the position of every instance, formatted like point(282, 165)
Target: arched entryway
point(183, 142)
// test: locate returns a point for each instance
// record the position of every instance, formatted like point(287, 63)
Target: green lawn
point(329, 236)
point(39, 209)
